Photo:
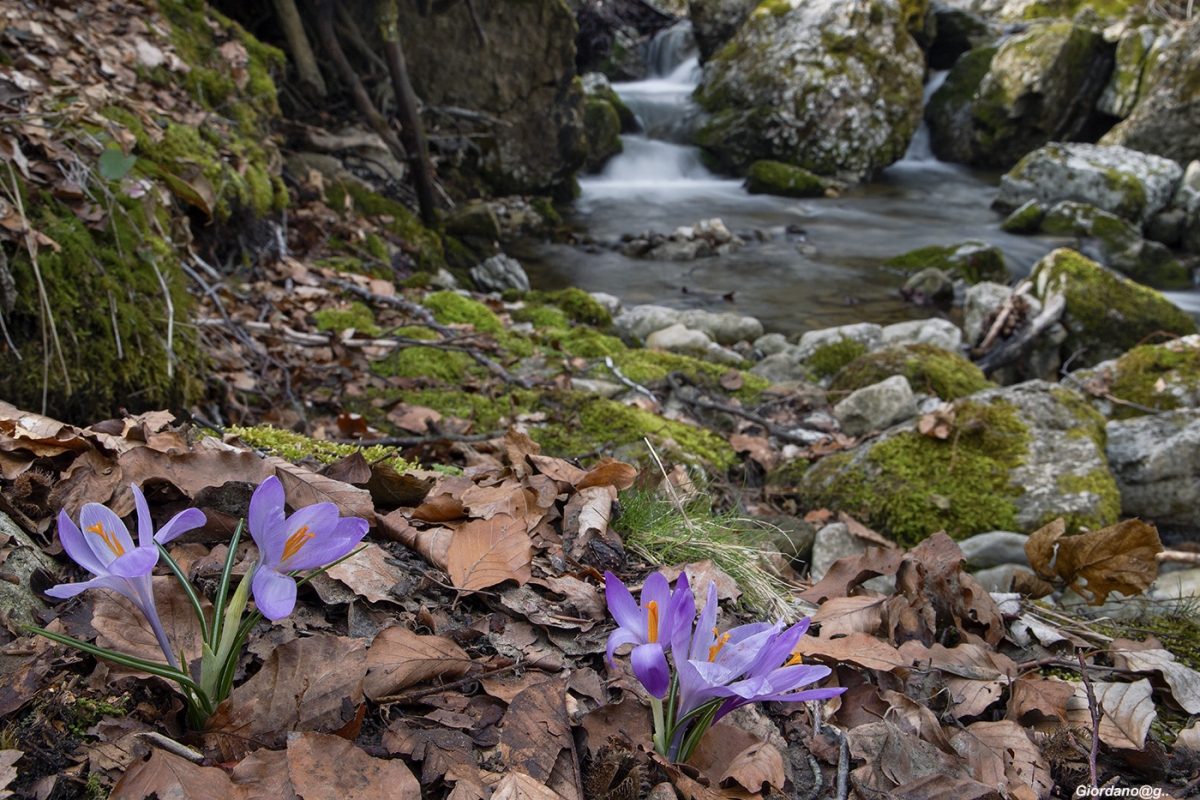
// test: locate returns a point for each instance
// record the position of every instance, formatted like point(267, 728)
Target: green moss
point(788, 473)
point(515, 345)
point(413, 361)
point(972, 261)
point(1106, 313)
point(1098, 482)
point(293, 446)
point(541, 317)
point(1088, 421)
point(418, 280)
point(962, 84)
point(927, 367)
point(1026, 219)
point(775, 177)
point(85, 712)
point(1137, 373)
point(578, 305)
point(647, 366)
point(430, 256)
point(586, 343)
point(602, 126)
point(358, 316)
point(377, 247)
point(545, 207)
point(829, 359)
point(451, 308)
point(911, 485)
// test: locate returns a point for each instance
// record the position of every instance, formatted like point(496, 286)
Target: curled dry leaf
point(1001, 754)
point(608, 472)
point(432, 544)
point(1184, 681)
point(1119, 558)
point(847, 573)
point(858, 648)
point(846, 615)
point(169, 777)
point(485, 552)
point(518, 786)
point(1035, 699)
point(399, 658)
point(8, 772)
point(369, 574)
point(263, 775)
point(536, 729)
point(755, 769)
point(939, 423)
point(1127, 712)
point(321, 765)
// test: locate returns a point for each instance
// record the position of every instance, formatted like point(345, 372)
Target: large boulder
point(1105, 313)
point(1018, 457)
point(1041, 85)
point(876, 407)
point(714, 22)
point(833, 86)
point(935, 331)
point(525, 78)
point(1165, 120)
point(1156, 462)
point(1134, 186)
point(972, 261)
point(956, 32)
point(1126, 84)
point(927, 368)
point(949, 111)
point(637, 323)
point(1149, 378)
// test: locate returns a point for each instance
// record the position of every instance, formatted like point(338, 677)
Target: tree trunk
point(302, 54)
point(387, 15)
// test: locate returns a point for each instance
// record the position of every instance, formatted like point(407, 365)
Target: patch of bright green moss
point(1139, 371)
point(831, 358)
point(292, 446)
point(971, 261)
point(451, 308)
point(775, 177)
point(928, 368)
point(358, 316)
point(1099, 482)
point(418, 280)
point(586, 343)
point(414, 361)
point(911, 486)
point(578, 305)
point(430, 255)
point(647, 366)
point(541, 317)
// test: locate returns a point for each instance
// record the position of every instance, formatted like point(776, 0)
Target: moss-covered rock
point(430, 252)
point(1124, 249)
point(714, 22)
point(774, 177)
point(648, 366)
point(830, 358)
point(578, 305)
point(452, 308)
point(833, 86)
point(1132, 57)
point(927, 367)
point(972, 261)
point(602, 126)
point(1105, 314)
point(1027, 218)
point(596, 85)
point(1160, 377)
point(1018, 457)
point(948, 113)
point(955, 31)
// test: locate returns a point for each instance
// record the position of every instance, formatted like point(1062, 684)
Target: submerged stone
point(785, 180)
point(972, 261)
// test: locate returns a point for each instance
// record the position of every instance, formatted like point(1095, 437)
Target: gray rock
point(996, 579)
point(949, 111)
point(714, 22)
point(1134, 186)
point(444, 279)
point(876, 407)
point(1124, 87)
point(1166, 227)
point(611, 303)
point(780, 93)
point(16, 598)
point(791, 536)
point(938, 332)
point(866, 333)
point(331, 168)
point(781, 368)
point(994, 548)
point(981, 301)
point(1180, 585)
point(834, 542)
point(723, 328)
point(957, 31)
point(771, 343)
point(931, 284)
point(500, 272)
point(1026, 219)
point(680, 250)
point(1156, 462)
point(678, 338)
point(638, 322)
point(593, 386)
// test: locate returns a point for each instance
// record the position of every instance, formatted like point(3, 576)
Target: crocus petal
point(623, 607)
point(301, 531)
point(325, 548)
point(181, 523)
point(77, 547)
point(274, 593)
point(121, 585)
point(145, 524)
point(617, 638)
point(649, 664)
point(266, 511)
point(95, 517)
point(137, 562)
point(657, 590)
point(704, 638)
point(682, 613)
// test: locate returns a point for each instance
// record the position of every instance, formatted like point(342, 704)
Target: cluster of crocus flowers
point(715, 672)
point(313, 538)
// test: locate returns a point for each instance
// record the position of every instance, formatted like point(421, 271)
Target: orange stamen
point(295, 542)
point(795, 659)
point(716, 648)
point(652, 621)
point(109, 538)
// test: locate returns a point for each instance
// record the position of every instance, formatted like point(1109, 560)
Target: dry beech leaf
point(325, 766)
point(518, 446)
point(391, 489)
point(519, 786)
point(945, 787)
point(846, 615)
point(754, 767)
point(1119, 558)
point(123, 628)
point(909, 715)
point(1001, 754)
point(558, 469)
point(975, 675)
point(757, 447)
point(1190, 738)
point(440, 506)
point(536, 729)
point(432, 544)
point(1127, 711)
point(351, 469)
point(305, 684)
point(608, 472)
point(861, 649)
point(399, 658)
point(1034, 699)
point(369, 574)
point(8, 772)
point(263, 775)
point(169, 777)
point(485, 552)
point(1184, 681)
point(305, 488)
point(847, 573)
point(906, 758)
point(485, 502)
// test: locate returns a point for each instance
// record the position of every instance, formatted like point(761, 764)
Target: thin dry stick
point(671, 492)
point(1094, 708)
point(49, 314)
point(170, 321)
point(843, 775)
point(8, 339)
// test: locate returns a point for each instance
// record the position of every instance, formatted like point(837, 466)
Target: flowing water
point(808, 264)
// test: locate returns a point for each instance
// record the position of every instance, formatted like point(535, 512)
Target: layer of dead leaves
point(474, 669)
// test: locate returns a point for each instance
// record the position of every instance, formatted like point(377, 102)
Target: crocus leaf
point(114, 165)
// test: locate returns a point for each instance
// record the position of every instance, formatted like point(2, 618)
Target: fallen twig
point(637, 387)
point(782, 434)
point(1014, 348)
point(1094, 709)
point(413, 441)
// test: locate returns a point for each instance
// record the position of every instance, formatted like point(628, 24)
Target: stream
point(808, 264)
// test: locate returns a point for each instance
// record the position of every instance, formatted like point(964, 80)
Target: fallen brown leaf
point(368, 574)
point(399, 658)
point(1001, 754)
point(483, 553)
point(1119, 558)
point(325, 767)
point(1184, 681)
point(535, 729)
point(1127, 711)
point(518, 786)
point(169, 777)
point(263, 775)
point(1034, 699)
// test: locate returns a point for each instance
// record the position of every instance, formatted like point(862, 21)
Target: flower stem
point(660, 733)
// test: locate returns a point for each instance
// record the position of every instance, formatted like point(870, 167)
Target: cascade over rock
point(525, 77)
point(833, 86)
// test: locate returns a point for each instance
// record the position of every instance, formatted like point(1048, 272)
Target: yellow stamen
point(652, 621)
point(295, 542)
point(108, 537)
point(795, 659)
point(716, 648)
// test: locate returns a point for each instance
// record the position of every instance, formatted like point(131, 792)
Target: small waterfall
point(919, 154)
point(659, 160)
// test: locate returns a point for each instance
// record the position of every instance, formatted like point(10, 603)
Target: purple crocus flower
point(312, 537)
point(663, 617)
point(105, 549)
